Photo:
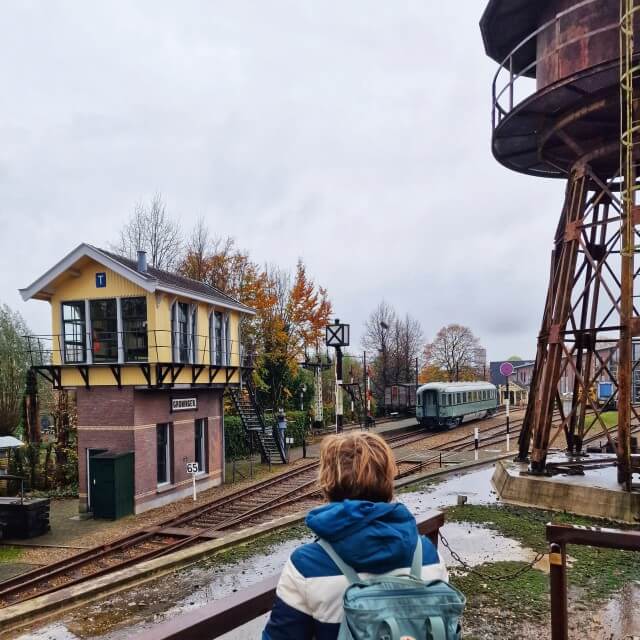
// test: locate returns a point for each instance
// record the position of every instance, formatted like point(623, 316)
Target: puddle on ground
point(621, 616)
point(120, 616)
point(476, 485)
point(475, 545)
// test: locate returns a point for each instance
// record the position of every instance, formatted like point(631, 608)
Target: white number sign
point(192, 467)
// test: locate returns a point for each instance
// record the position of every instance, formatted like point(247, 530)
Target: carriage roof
point(453, 387)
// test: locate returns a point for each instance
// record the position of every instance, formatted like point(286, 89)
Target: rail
point(558, 537)
point(216, 619)
point(504, 96)
point(134, 347)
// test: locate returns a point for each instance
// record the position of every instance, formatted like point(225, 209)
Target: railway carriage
point(448, 404)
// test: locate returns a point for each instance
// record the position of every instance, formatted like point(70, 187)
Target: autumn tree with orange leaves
point(291, 310)
point(287, 328)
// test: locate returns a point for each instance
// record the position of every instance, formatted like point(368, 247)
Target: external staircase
point(257, 430)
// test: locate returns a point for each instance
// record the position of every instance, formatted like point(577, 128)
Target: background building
point(149, 354)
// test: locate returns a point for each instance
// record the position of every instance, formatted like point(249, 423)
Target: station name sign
point(184, 404)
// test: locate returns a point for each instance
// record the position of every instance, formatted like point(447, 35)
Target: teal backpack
point(398, 607)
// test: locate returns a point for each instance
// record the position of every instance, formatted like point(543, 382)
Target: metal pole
point(193, 476)
point(351, 382)
point(365, 376)
point(475, 441)
point(339, 408)
point(508, 401)
point(558, 591)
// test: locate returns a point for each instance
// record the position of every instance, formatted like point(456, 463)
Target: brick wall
point(125, 420)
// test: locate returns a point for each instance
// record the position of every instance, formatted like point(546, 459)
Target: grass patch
point(423, 485)
point(595, 573)
point(523, 598)
point(10, 554)
point(610, 419)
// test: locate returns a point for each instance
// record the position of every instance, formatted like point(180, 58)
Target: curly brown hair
point(357, 466)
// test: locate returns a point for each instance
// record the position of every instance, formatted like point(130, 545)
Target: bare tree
point(376, 341)
point(152, 230)
point(453, 351)
point(408, 344)
point(198, 249)
point(393, 345)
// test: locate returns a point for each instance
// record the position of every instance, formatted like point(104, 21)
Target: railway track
point(242, 508)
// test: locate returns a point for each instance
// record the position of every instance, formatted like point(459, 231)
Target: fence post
point(558, 589)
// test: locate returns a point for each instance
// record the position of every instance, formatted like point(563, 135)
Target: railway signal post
point(506, 369)
point(337, 336)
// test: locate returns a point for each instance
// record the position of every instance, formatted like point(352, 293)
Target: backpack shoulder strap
point(416, 563)
point(348, 571)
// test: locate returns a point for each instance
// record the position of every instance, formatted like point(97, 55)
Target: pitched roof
point(151, 280)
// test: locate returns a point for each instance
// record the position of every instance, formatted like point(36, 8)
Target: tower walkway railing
point(511, 87)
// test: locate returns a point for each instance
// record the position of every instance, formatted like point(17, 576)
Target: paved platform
point(596, 493)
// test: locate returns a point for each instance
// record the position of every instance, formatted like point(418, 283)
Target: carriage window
point(458, 398)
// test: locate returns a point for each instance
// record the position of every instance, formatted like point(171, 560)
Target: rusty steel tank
point(556, 91)
point(557, 113)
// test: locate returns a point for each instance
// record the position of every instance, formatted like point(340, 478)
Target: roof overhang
point(505, 24)
point(41, 288)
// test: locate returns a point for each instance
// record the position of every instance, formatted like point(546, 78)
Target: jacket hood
point(373, 537)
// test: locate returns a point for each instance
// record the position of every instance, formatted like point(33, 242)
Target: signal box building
point(149, 354)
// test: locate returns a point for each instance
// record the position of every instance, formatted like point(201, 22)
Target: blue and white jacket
point(372, 537)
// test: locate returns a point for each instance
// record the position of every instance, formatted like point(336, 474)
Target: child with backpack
point(369, 575)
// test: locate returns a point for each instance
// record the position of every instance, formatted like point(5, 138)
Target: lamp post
point(337, 336)
point(302, 392)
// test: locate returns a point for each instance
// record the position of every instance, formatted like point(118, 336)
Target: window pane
point(134, 327)
point(217, 344)
point(200, 440)
point(162, 442)
point(104, 330)
point(180, 333)
point(74, 331)
point(194, 334)
point(227, 335)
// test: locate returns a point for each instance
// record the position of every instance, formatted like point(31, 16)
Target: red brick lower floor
point(164, 428)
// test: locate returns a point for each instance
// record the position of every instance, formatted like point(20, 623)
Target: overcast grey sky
point(352, 133)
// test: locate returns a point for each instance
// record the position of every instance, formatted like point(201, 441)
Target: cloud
point(355, 135)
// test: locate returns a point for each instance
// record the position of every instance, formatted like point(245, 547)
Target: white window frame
point(202, 470)
point(167, 453)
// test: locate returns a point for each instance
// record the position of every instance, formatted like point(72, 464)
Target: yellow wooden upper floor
point(108, 311)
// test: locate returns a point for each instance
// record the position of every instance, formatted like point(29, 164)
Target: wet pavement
point(122, 615)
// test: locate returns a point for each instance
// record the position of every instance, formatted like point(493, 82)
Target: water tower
point(563, 107)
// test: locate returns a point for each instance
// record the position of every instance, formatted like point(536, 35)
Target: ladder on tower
point(255, 427)
point(630, 196)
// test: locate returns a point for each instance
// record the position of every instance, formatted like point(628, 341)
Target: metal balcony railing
point(517, 86)
point(135, 347)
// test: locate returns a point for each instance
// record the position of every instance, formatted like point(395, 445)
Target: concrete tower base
point(595, 494)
